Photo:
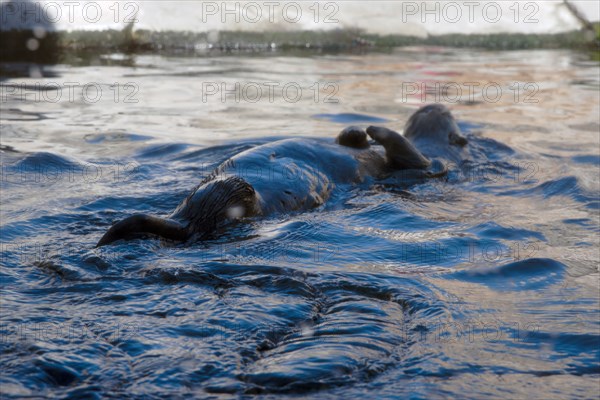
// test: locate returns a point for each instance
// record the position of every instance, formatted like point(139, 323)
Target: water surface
point(484, 284)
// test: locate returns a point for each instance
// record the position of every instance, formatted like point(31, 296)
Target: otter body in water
point(283, 176)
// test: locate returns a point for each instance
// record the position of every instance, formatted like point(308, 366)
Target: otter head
point(434, 124)
point(215, 203)
point(211, 205)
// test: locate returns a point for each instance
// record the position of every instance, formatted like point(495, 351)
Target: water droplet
point(39, 32)
point(35, 71)
point(32, 44)
point(235, 212)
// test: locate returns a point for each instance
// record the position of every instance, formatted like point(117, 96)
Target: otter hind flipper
point(141, 224)
point(400, 153)
point(354, 137)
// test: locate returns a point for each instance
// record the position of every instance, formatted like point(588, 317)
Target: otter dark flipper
point(400, 153)
point(141, 224)
point(354, 137)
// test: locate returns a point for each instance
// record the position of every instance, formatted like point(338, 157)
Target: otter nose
point(457, 139)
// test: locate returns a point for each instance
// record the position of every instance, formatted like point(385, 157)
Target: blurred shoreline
point(67, 47)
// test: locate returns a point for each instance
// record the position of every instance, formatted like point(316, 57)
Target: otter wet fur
point(300, 174)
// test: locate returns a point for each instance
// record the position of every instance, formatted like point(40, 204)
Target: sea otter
point(296, 174)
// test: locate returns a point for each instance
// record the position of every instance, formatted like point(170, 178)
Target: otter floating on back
point(300, 174)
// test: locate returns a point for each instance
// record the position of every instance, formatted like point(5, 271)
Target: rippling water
point(484, 284)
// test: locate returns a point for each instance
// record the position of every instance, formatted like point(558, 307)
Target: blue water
point(480, 285)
